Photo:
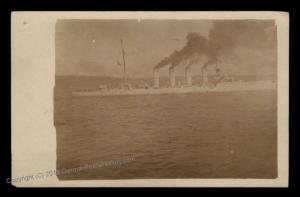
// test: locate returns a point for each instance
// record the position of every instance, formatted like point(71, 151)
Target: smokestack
point(156, 78)
point(204, 72)
point(188, 76)
point(204, 76)
point(172, 77)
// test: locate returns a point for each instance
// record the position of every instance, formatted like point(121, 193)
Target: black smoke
point(196, 44)
point(224, 37)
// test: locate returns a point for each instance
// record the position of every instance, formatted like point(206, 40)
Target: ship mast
point(124, 64)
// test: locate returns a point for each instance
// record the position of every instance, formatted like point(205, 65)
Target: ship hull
point(224, 87)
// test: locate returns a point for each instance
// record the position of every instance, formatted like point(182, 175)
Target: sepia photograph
point(166, 98)
point(181, 98)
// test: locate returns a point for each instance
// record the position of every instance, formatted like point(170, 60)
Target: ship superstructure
point(220, 82)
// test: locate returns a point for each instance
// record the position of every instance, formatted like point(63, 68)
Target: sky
point(93, 47)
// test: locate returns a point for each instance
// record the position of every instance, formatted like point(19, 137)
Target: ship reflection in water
point(228, 134)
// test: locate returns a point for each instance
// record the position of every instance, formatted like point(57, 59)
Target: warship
point(223, 86)
point(218, 83)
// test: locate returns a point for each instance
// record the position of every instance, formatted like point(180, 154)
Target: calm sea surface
point(225, 135)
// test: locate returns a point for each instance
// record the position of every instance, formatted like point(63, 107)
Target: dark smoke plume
point(224, 37)
point(206, 64)
point(196, 44)
point(193, 60)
